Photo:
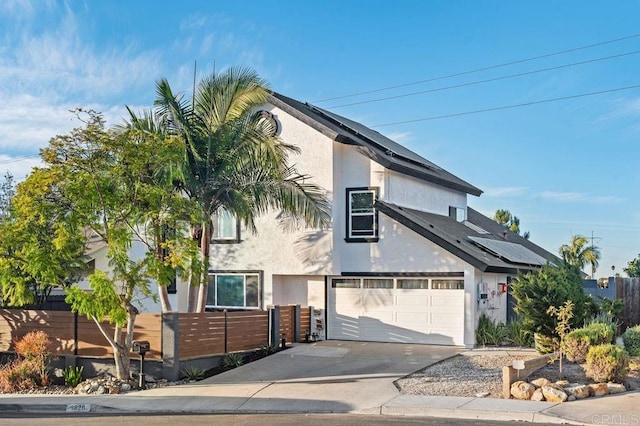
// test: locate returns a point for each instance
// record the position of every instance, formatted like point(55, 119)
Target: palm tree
point(233, 160)
point(579, 253)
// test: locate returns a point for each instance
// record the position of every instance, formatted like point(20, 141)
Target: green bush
point(233, 360)
point(606, 319)
point(606, 363)
point(550, 286)
point(517, 335)
point(193, 373)
point(72, 375)
point(602, 333)
point(490, 332)
point(631, 340)
point(577, 343)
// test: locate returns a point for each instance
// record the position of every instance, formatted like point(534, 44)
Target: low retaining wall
point(510, 375)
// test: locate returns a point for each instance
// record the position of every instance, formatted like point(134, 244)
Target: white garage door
point(402, 310)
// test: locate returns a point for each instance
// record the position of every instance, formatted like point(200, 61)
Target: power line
point(16, 159)
point(510, 106)
point(519, 61)
point(438, 89)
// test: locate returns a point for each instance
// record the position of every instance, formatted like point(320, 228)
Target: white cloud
point(580, 197)
point(505, 191)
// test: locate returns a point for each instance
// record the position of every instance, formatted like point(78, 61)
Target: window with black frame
point(362, 217)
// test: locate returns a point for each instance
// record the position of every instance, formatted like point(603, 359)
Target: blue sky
point(566, 167)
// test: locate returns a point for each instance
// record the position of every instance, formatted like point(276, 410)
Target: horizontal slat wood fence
point(196, 334)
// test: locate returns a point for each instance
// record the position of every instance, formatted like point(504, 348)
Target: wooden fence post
point(296, 324)
point(170, 346)
point(274, 325)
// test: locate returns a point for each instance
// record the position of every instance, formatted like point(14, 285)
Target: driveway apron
point(327, 376)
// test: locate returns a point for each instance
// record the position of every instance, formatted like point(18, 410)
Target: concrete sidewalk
point(332, 377)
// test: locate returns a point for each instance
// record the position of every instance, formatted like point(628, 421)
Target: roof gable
point(372, 144)
point(462, 240)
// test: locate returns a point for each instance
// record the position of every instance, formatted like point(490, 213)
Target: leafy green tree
point(536, 291)
point(109, 184)
point(38, 251)
point(509, 221)
point(633, 268)
point(579, 253)
point(233, 161)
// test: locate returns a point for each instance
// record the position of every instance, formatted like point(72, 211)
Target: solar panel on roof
point(510, 251)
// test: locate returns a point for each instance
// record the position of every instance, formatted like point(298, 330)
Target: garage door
point(403, 310)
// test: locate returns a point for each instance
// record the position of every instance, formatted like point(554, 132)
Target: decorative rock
point(125, 387)
point(101, 390)
point(578, 390)
point(563, 383)
point(538, 383)
point(483, 394)
point(599, 389)
point(616, 388)
point(571, 398)
point(554, 393)
point(113, 390)
point(522, 390)
point(537, 395)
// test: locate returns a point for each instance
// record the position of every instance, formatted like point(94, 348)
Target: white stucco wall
point(399, 249)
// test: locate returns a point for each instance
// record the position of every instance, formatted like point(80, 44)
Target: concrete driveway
point(328, 376)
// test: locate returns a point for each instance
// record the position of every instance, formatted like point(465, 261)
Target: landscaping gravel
point(470, 374)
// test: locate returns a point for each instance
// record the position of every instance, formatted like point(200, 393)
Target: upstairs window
point(226, 228)
point(362, 218)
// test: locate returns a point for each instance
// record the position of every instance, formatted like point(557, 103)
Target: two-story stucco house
point(405, 260)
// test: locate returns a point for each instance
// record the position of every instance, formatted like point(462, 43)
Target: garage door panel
point(422, 316)
point(412, 299)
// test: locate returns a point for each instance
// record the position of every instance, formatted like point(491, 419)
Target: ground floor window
point(234, 290)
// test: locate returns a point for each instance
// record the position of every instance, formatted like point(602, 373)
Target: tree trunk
point(205, 245)
point(162, 288)
point(194, 279)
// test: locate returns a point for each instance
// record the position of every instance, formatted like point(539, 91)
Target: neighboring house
point(405, 260)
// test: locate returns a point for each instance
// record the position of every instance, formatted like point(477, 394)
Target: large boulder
point(522, 390)
point(554, 393)
point(537, 395)
point(616, 388)
point(599, 389)
point(578, 390)
point(542, 381)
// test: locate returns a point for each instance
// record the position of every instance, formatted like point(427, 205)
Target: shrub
point(604, 319)
point(606, 363)
point(19, 375)
point(490, 332)
point(233, 360)
point(517, 335)
point(72, 375)
point(268, 349)
point(34, 346)
point(602, 333)
point(193, 373)
point(631, 340)
point(29, 370)
point(577, 343)
point(550, 286)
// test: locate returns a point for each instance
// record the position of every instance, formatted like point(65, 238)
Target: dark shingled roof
point(374, 145)
point(453, 236)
